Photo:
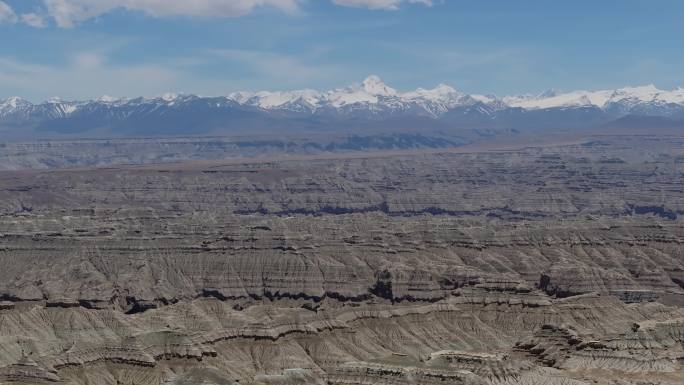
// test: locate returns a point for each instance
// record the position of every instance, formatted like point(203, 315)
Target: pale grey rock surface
point(557, 265)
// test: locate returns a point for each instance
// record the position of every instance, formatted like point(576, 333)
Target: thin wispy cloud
point(214, 47)
point(380, 4)
point(86, 74)
point(269, 66)
point(34, 20)
point(7, 15)
point(90, 74)
point(69, 13)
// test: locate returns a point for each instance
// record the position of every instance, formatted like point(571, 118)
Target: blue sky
point(86, 48)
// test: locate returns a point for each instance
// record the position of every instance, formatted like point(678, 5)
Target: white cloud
point(271, 66)
point(91, 74)
point(7, 14)
point(380, 4)
point(87, 75)
point(67, 13)
point(88, 60)
point(33, 19)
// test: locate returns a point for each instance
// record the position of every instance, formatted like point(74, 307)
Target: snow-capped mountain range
point(359, 104)
point(443, 98)
point(628, 97)
point(372, 95)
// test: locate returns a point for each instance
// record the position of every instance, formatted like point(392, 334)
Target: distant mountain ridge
point(369, 105)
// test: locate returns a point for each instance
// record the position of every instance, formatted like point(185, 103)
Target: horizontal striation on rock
point(555, 265)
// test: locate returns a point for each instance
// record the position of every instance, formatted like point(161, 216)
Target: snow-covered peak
point(513, 100)
point(486, 99)
point(308, 99)
point(14, 102)
point(650, 94)
point(108, 99)
point(374, 96)
point(373, 85)
point(169, 96)
point(370, 91)
point(241, 96)
point(60, 108)
point(351, 95)
point(549, 93)
point(441, 93)
point(642, 90)
point(674, 96)
point(555, 99)
point(281, 98)
point(627, 96)
point(643, 93)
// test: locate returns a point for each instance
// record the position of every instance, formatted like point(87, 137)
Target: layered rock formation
point(555, 265)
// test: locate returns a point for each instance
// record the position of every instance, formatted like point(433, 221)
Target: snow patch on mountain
point(440, 94)
point(627, 97)
point(170, 96)
point(554, 99)
point(276, 99)
point(373, 85)
point(13, 104)
point(107, 99)
point(373, 96)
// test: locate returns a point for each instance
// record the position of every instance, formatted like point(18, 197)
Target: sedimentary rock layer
point(555, 265)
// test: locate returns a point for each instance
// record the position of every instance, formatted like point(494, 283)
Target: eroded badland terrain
point(558, 264)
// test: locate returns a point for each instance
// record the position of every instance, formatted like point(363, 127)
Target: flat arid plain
point(547, 263)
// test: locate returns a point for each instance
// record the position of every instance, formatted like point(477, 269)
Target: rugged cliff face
point(557, 265)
